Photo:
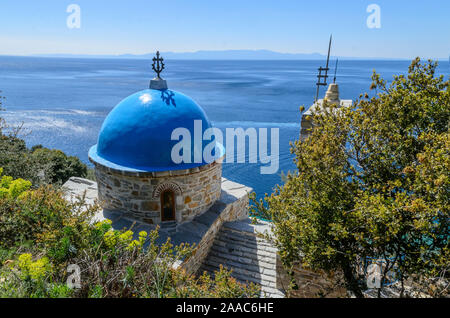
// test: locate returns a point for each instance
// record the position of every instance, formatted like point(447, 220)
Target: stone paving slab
point(77, 187)
point(232, 191)
point(261, 227)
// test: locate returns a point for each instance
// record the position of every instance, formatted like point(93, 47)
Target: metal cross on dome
point(158, 64)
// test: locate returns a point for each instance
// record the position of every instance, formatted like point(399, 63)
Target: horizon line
point(132, 57)
point(278, 55)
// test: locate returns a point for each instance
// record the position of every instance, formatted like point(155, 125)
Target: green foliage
point(35, 214)
point(57, 166)
point(16, 160)
point(372, 181)
point(12, 188)
point(41, 234)
point(39, 165)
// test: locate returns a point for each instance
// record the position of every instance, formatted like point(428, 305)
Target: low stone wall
point(225, 211)
point(137, 194)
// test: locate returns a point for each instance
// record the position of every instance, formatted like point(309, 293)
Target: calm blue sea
point(63, 102)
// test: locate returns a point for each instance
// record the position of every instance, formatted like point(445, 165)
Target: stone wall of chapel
point(137, 194)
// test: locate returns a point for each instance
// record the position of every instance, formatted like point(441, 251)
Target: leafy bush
point(57, 166)
point(12, 188)
point(41, 234)
point(38, 164)
point(16, 160)
point(28, 215)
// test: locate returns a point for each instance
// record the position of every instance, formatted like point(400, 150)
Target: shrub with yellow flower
point(35, 270)
point(12, 188)
point(110, 238)
point(104, 225)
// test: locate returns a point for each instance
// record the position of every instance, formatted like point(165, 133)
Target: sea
point(62, 102)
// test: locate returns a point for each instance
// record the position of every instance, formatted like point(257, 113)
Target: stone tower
point(332, 97)
point(332, 94)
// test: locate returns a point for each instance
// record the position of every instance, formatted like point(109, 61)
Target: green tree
point(38, 164)
point(16, 160)
point(373, 182)
point(56, 165)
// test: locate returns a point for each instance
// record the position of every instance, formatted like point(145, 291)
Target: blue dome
point(136, 135)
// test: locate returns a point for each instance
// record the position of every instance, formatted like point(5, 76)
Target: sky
point(408, 28)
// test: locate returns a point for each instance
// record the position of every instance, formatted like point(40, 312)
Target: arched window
point(167, 205)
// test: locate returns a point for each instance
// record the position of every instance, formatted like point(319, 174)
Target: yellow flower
point(133, 244)
point(110, 239)
point(142, 237)
point(19, 186)
point(126, 237)
point(107, 223)
point(137, 243)
point(39, 268)
point(24, 261)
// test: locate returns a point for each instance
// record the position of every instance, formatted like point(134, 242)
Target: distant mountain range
point(219, 55)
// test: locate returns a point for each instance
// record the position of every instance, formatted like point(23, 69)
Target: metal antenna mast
point(329, 50)
point(326, 69)
point(335, 71)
